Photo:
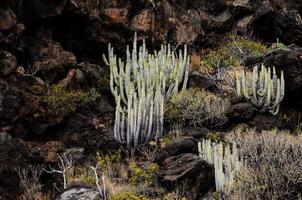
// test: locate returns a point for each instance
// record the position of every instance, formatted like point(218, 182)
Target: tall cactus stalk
point(226, 160)
point(140, 84)
point(263, 88)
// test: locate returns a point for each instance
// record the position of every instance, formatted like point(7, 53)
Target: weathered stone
point(80, 193)
point(142, 21)
point(8, 63)
point(8, 19)
point(183, 144)
point(241, 112)
point(188, 169)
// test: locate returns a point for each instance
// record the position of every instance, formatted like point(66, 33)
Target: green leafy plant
point(129, 195)
point(143, 174)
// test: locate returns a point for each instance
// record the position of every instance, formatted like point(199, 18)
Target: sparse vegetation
point(274, 165)
point(230, 54)
point(198, 107)
point(63, 101)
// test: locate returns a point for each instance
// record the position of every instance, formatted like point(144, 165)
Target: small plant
point(199, 107)
point(62, 101)
point(129, 195)
point(143, 174)
point(231, 54)
point(263, 89)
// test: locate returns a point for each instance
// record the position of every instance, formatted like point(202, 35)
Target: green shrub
point(63, 101)
point(197, 107)
point(143, 174)
point(231, 54)
point(127, 196)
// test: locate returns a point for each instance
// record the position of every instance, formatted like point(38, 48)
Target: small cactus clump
point(226, 160)
point(140, 84)
point(262, 88)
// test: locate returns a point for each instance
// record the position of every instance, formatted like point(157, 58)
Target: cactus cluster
point(140, 85)
point(226, 160)
point(262, 88)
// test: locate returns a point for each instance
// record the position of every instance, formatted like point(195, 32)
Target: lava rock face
point(61, 42)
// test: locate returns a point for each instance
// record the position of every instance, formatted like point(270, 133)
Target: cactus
point(140, 84)
point(226, 160)
point(263, 89)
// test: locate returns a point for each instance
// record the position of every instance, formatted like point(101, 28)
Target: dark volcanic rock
point(183, 144)
point(8, 63)
point(188, 169)
point(241, 112)
point(12, 154)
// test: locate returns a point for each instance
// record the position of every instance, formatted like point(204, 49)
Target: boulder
point(8, 63)
point(241, 112)
point(12, 153)
point(180, 145)
point(190, 170)
point(80, 193)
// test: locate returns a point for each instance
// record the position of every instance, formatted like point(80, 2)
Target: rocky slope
point(60, 42)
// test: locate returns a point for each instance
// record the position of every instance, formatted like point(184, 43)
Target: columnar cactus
point(263, 89)
point(140, 84)
point(226, 160)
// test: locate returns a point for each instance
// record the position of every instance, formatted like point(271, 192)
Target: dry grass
point(274, 165)
point(30, 182)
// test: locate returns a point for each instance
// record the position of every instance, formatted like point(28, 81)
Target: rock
point(80, 193)
point(117, 15)
point(269, 23)
point(8, 63)
point(265, 121)
point(88, 132)
point(21, 104)
point(50, 59)
point(240, 8)
point(290, 61)
point(12, 153)
point(44, 152)
point(199, 81)
point(180, 145)
point(189, 169)
point(75, 79)
point(142, 21)
point(8, 19)
point(241, 112)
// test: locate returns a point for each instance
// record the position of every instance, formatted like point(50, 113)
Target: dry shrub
point(274, 165)
point(30, 183)
point(199, 107)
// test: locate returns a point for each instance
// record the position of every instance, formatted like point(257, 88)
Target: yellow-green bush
point(198, 107)
point(109, 159)
point(127, 196)
point(231, 54)
point(143, 174)
point(62, 101)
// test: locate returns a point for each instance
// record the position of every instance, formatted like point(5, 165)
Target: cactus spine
point(226, 160)
point(140, 84)
point(263, 88)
